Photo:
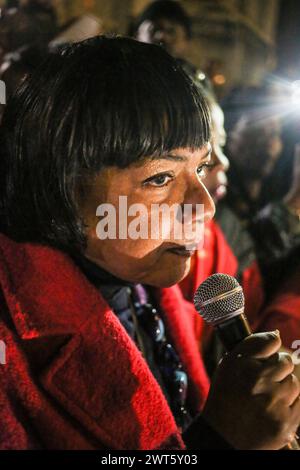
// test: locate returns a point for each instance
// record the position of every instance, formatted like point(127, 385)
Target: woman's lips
point(185, 251)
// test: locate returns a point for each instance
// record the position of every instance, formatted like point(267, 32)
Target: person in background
point(254, 148)
point(30, 23)
point(264, 185)
point(165, 23)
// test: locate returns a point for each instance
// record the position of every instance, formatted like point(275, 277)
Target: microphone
point(220, 301)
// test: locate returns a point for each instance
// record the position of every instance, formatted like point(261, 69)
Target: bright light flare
point(295, 95)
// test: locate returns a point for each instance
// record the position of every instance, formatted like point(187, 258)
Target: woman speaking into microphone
point(101, 347)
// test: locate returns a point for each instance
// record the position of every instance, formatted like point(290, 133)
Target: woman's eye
point(158, 181)
point(202, 170)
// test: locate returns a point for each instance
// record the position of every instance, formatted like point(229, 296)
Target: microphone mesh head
point(220, 306)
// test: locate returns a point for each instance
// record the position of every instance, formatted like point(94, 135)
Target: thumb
point(259, 345)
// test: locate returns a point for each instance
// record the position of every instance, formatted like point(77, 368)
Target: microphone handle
point(233, 331)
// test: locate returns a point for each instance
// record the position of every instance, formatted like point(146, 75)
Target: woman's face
point(216, 179)
point(158, 260)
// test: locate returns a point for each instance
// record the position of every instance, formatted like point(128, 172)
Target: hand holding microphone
point(254, 398)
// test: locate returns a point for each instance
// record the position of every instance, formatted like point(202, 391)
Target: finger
point(288, 390)
point(277, 367)
point(259, 345)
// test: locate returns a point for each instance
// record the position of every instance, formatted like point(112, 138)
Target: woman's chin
point(171, 274)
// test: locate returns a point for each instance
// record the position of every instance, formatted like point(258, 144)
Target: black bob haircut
point(168, 9)
point(107, 101)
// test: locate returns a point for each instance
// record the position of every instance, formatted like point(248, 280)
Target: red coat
point(73, 378)
point(283, 312)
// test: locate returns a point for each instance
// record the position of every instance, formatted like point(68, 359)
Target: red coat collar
point(99, 376)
